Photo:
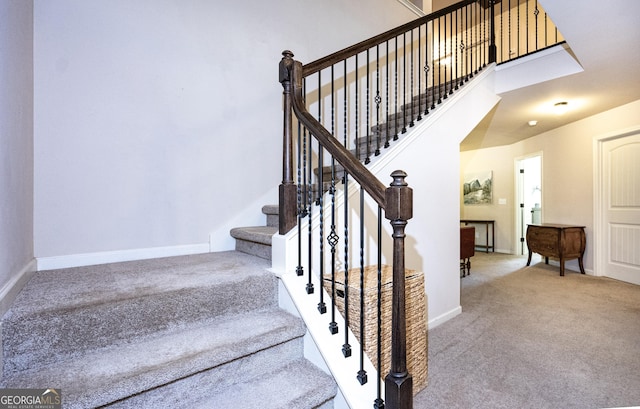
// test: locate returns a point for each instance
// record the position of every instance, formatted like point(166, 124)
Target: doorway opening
point(528, 197)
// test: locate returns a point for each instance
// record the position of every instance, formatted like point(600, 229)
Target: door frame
point(599, 197)
point(518, 193)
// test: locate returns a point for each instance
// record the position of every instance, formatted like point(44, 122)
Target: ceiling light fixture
point(533, 123)
point(561, 107)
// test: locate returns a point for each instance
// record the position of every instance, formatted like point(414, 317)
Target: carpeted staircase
point(201, 331)
point(256, 240)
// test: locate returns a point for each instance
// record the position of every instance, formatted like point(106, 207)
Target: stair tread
point(113, 373)
point(302, 386)
point(271, 209)
point(82, 286)
point(258, 234)
point(297, 384)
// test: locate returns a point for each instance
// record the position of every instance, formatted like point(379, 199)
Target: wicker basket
point(415, 311)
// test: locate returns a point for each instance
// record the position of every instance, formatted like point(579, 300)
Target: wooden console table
point(493, 233)
point(560, 241)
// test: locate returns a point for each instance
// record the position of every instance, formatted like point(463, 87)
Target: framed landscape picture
point(478, 188)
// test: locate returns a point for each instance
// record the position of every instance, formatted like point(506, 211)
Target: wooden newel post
point(398, 209)
point(288, 190)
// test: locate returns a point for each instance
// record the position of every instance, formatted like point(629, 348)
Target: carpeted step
point(61, 314)
point(254, 240)
point(116, 372)
point(141, 334)
point(296, 384)
point(273, 214)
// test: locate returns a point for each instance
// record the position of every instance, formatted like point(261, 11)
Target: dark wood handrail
point(345, 53)
point(351, 164)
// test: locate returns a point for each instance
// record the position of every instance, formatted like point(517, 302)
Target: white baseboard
point(104, 257)
point(442, 318)
point(10, 290)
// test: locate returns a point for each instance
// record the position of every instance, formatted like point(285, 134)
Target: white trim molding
point(104, 257)
point(411, 6)
point(10, 290)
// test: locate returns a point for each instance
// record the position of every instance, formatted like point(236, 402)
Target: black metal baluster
point(368, 125)
point(536, 12)
point(474, 41)
point(357, 123)
point(426, 68)
point(308, 186)
point(378, 100)
point(526, 25)
point(386, 136)
point(362, 374)
point(456, 69)
point(481, 39)
point(395, 136)
point(411, 123)
point(322, 306)
point(379, 403)
point(433, 65)
point(451, 47)
point(301, 211)
point(546, 41)
point(509, 30)
point(404, 83)
point(444, 60)
point(346, 121)
point(333, 238)
point(518, 31)
point(466, 39)
point(419, 73)
point(502, 57)
point(346, 347)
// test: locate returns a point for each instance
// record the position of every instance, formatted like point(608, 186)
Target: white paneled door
point(621, 208)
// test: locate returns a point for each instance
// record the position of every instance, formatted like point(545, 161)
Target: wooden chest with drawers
point(558, 241)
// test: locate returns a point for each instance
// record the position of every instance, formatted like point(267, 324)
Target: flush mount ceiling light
point(560, 107)
point(533, 123)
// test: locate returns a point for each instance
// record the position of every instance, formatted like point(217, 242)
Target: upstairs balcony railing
point(346, 108)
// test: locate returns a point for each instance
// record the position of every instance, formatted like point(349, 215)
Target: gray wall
point(16, 145)
point(158, 123)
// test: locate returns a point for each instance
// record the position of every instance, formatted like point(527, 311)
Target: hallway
point(528, 338)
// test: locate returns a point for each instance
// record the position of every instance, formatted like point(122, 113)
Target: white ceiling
point(604, 38)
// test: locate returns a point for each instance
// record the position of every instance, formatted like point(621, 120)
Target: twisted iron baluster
point(378, 100)
point(333, 238)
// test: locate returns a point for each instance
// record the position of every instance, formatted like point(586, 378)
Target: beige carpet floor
point(528, 338)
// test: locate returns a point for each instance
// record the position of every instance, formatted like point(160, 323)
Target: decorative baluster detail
point(368, 118)
point(427, 69)
point(377, 100)
point(419, 73)
point(333, 240)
